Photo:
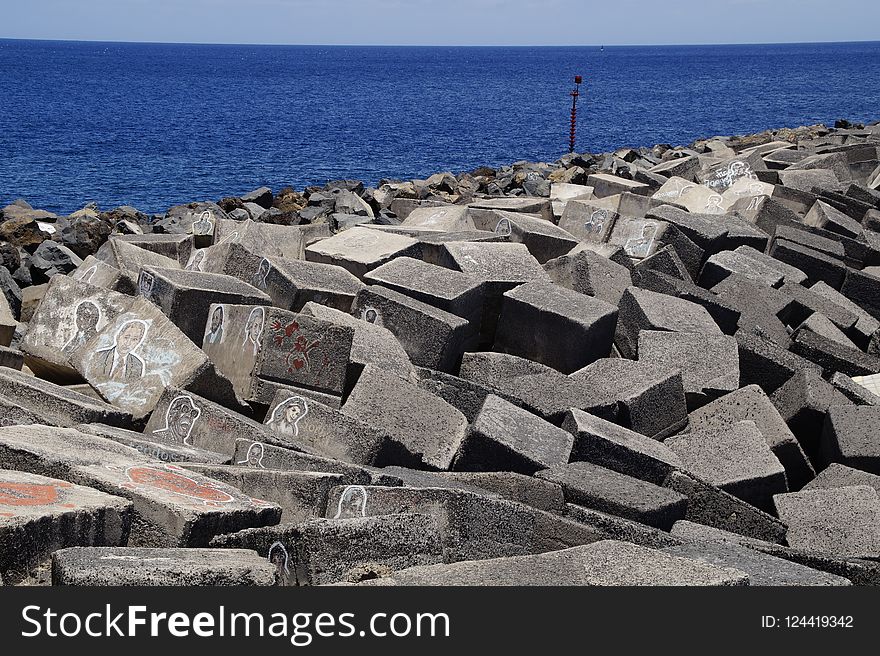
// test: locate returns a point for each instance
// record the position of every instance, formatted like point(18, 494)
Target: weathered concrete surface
point(39, 515)
point(359, 250)
point(167, 567)
point(140, 353)
point(172, 507)
point(604, 563)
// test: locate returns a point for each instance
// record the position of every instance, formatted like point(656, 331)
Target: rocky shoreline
point(652, 366)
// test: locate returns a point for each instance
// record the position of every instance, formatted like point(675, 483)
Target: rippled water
point(152, 125)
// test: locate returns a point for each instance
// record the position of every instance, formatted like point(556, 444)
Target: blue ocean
point(153, 125)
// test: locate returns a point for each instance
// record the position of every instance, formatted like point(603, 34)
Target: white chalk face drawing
point(253, 329)
point(214, 329)
point(596, 223)
point(180, 418)
point(640, 246)
point(205, 224)
point(146, 282)
point(352, 503)
point(278, 557)
point(504, 228)
point(286, 416)
point(86, 317)
point(756, 203)
point(371, 315)
point(86, 276)
point(121, 361)
point(259, 278)
point(196, 261)
point(713, 205)
point(254, 456)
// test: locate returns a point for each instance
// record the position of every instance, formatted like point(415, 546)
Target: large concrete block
point(750, 403)
point(39, 515)
point(555, 326)
point(249, 344)
point(528, 205)
point(451, 291)
point(645, 310)
point(128, 566)
point(544, 239)
point(472, 525)
point(186, 297)
point(60, 328)
point(647, 398)
point(268, 239)
point(504, 437)
point(175, 247)
point(359, 250)
point(606, 563)
point(431, 337)
point(591, 274)
point(306, 423)
point(614, 447)
point(153, 446)
point(587, 221)
point(424, 429)
point(709, 363)
point(590, 485)
point(172, 507)
point(140, 353)
point(849, 437)
point(371, 343)
point(843, 521)
point(268, 455)
point(736, 458)
point(289, 283)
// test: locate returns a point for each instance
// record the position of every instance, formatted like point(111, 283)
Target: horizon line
point(437, 45)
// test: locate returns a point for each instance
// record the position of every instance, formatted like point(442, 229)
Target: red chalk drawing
point(27, 494)
point(298, 354)
point(169, 479)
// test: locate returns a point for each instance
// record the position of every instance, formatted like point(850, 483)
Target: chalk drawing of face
point(641, 246)
point(120, 362)
point(596, 222)
point(370, 315)
point(253, 329)
point(196, 261)
point(86, 276)
point(146, 281)
point(180, 418)
point(352, 502)
point(713, 204)
point(205, 224)
point(504, 228)
point(278, 557)
point(86, 317)
point(259, 279)
point(287, 415)
point(214, 333)
point(254, 456)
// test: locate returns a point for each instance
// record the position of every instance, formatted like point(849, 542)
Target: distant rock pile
point(652, 366)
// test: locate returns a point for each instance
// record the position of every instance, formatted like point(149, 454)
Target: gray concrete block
point(750, 403)
point(504, 437)
point(604, 564)
point(709, 364)
point(849, 437)
point(126, 566)
point(736, 458)
point(565, 330)
point(590, 485)
point(843, 521)
point(172, 507)
point(591, 274)
point(611, 446)
point(360, 250)
point(39, 515)
point(425, 430)
point(431, 337)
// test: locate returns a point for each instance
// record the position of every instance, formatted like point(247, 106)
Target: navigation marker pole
point(574, 111)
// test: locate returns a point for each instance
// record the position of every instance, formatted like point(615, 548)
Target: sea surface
point(153, 125)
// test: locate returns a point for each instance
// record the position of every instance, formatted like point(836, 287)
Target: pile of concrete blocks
point(662, 370)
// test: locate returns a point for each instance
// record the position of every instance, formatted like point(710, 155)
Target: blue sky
point(444, 22)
